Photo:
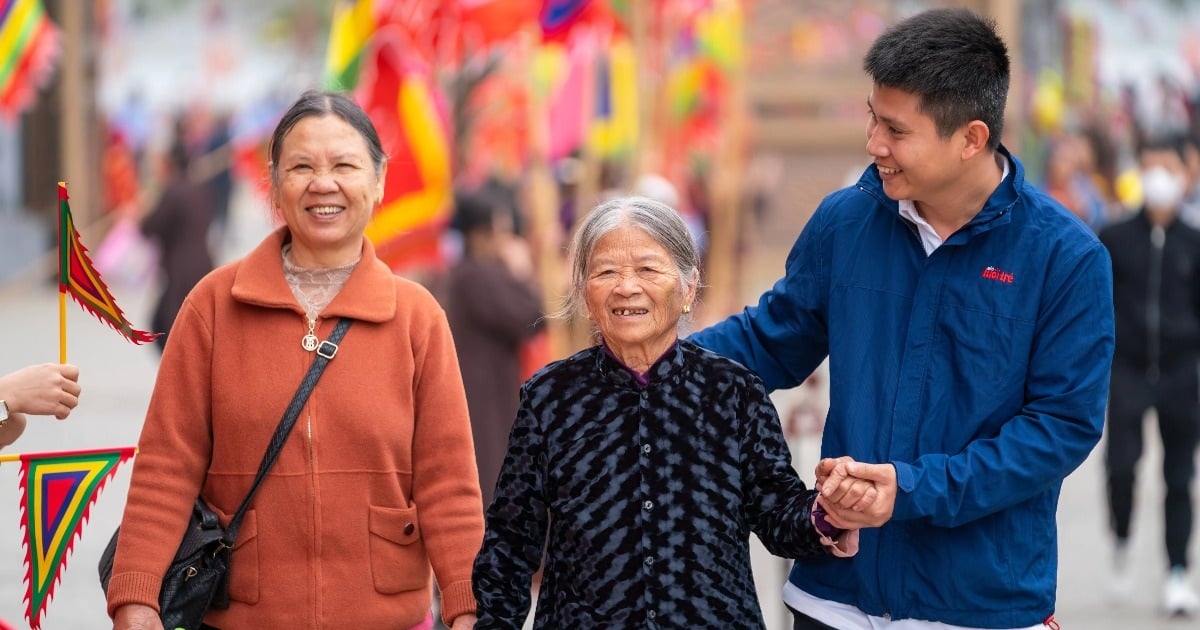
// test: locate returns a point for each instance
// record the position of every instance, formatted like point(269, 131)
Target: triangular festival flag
point(57, 493)
point(79, 277)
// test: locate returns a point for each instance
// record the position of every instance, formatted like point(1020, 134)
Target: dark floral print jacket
point(643, 496)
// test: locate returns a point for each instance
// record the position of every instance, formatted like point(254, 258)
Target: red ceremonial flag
point(407, 227)
point(57, 493)
point(78, 276)
point(375, 49)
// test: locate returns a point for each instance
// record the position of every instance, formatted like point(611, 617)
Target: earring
point(687, 308)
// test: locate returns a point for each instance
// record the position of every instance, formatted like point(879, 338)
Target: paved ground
point(117, 378)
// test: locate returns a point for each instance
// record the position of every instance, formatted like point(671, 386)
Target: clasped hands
point(856, 494)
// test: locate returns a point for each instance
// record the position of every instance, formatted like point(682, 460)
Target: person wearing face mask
point(1156, 296)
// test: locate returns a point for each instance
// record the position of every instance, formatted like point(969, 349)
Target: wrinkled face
point(326, 190)
point(634, 294)
point(915, 163)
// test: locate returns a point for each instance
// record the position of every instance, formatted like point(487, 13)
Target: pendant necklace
point(310, 341)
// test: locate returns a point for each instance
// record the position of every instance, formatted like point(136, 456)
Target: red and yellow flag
point(28, 48)
point(78, 276)
point(376, 55)
point(57, 493)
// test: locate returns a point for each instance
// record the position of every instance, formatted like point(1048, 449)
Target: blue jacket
point(980, 372)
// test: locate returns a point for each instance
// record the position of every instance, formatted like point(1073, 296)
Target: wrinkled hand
point(464, 622)
point(843, 498)
point(845, 491)
point(49, 389)
point(136, 617)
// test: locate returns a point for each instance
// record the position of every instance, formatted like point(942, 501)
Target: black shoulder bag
point(197, 578)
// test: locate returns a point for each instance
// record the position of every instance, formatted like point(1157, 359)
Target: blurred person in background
point(48, 389)
point(493, 305)
point(179, 225)
point(374, 494)
point(1156, 295)
point(1069, 179)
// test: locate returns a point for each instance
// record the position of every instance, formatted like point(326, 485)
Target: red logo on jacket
point(992, 273)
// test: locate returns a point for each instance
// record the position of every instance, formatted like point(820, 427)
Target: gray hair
point(657, 219)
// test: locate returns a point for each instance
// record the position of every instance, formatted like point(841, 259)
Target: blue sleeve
point(784, 338)
point(1060, 421)
point(516, 528)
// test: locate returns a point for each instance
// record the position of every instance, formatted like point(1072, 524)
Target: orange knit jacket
point(375, 484)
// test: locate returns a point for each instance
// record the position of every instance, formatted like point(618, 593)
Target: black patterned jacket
point(644, 496)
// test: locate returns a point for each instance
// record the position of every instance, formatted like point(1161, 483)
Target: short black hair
point(473, 212)
point(953, 60)
point(1177, 142)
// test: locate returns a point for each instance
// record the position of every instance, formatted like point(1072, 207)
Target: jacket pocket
point(243, 568)
point(398, 559)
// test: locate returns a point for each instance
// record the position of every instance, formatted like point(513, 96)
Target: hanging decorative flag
point(398, 96)
point(557, 16)
point(351, 29)
point(78, 276)
point(614, 127)
point(373, 52)
point(57, 493)
point(28, 48)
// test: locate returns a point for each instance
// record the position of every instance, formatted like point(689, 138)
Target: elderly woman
point(642, 464)
point(376, 484)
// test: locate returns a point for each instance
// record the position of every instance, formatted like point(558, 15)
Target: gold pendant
point(309, 342)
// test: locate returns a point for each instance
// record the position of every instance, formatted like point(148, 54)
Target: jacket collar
point(619, 374)
point(996, 211)
point(369, 293)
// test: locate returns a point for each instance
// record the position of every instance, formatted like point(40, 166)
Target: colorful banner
point(57, 492)
point(28, 49)
point(379, 60)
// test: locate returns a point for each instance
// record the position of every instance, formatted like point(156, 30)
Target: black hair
point(473, 212)
point(321, 103)
point(1176, 142)
point(953, 60)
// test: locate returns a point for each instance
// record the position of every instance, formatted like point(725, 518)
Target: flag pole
point(15, 457)
point(62, 327)
point(62, 275)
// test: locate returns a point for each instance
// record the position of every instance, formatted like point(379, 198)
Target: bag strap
point(325, 352)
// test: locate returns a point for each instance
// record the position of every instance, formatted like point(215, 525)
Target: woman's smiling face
point(635, 295)
point(326, 190)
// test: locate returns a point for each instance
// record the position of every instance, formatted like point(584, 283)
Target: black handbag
point(197, 578)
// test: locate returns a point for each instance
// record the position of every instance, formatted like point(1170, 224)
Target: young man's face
point(915, 163)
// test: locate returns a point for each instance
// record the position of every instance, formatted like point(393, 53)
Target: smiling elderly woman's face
point(635, 295)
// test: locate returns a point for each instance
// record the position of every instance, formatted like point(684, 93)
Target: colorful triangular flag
point(57, 493)
point(79, 277)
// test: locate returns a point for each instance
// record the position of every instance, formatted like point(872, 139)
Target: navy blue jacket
point(979, 371)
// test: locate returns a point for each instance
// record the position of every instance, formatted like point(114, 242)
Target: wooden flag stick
point(14, 457)
point(62, 326)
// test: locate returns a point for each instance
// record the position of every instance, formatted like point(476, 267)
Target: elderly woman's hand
point(848, 512)
point(136, 617)
point(464, 622)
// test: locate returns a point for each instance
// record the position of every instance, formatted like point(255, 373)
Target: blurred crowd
point(1091, 167)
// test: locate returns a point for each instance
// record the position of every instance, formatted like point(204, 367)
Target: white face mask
point(1161, 189)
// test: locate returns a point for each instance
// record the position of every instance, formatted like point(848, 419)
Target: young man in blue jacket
point(968, 322)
